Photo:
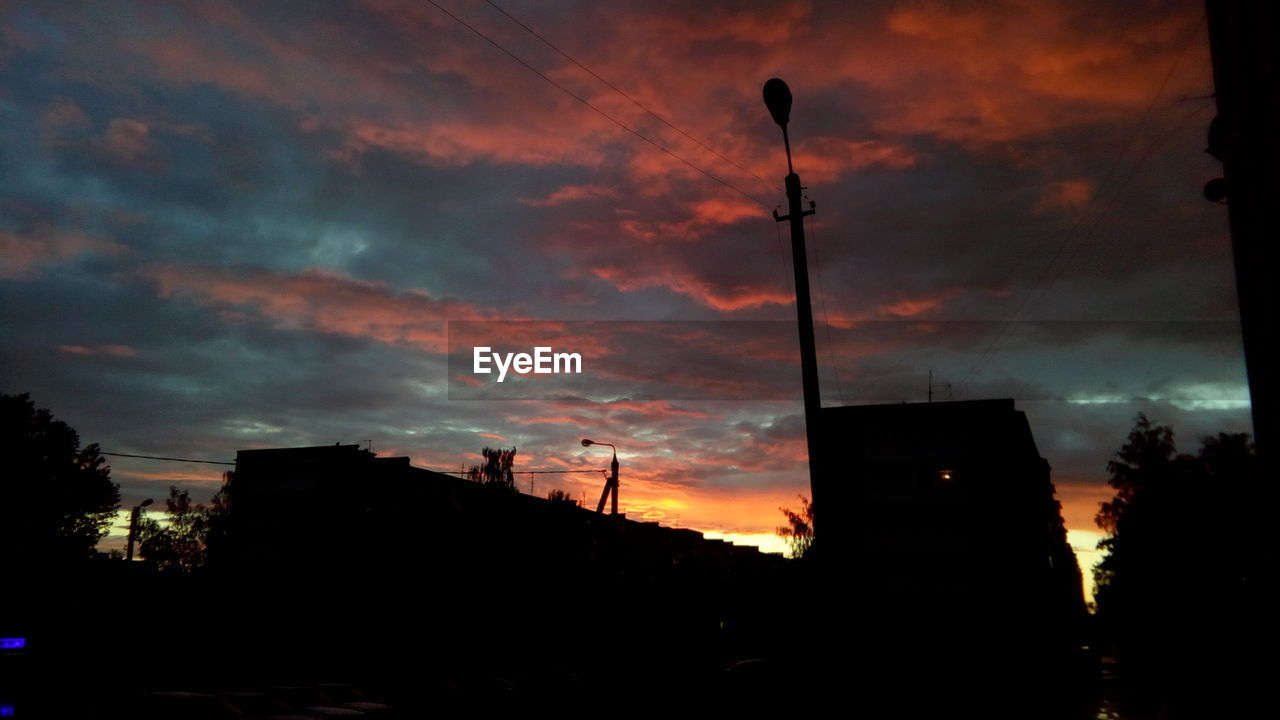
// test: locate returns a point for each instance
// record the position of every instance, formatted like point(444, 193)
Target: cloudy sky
point(243, 225)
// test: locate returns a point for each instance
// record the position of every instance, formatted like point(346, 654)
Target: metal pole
point(777, 97)
point(804, 315)
point(613, 483)
point(133, 532)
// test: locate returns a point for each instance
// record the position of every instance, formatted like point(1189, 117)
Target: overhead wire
point(619, 123)
point(663, 120)
point(527, 472)
point(626, 95)
point(172, 459)
point(444, 472)
point(822, 301)
point(1117, 31)
point(598, 110)
point(1076, 328)
point(1068, 239)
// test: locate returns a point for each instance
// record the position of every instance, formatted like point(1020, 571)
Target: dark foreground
point(111, 644)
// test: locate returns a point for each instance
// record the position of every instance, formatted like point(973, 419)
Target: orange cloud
point(569, 193)
point(657, 408)
point(200, 477)
point(323, 301)
point(688, 284)
point(465, 143)
point(699, 218)
point(575, 420)
point(22, 254)
point(1007, 71)
point(825, 159)
point(112, 350)
point(975, 75)
point(911, 307)
point(1065, 195)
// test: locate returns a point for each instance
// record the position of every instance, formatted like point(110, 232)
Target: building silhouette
point(336, 556)
point(341, 505)
point(942, 516)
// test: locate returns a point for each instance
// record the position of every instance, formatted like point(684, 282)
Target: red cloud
point(322, 300)
point(465, 143)
point(574, 420)
point(996, 73)
point(112, 350)
point(569, 193)
point(824, 159)
point(911, 307)
point(687, 283)
point(1065, 195)
point(969, 74)
point(21, 254)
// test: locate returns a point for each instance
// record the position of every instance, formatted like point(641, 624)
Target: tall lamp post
point(610, 485)
point(777, 97)
point(133, 526)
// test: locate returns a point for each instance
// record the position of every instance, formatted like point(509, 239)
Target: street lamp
point(133, 526)
point(777, 97)
point(610, 485)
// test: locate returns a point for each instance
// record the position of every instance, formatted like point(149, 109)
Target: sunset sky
point(242, 225)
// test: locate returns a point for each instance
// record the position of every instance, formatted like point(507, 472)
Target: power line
point(633, 101)
point(1075, 329)
point(527, 472)
point(619, 123)
point(822, 300)
point(1068, 241)
point(588, 103)
point(173, 459)
point(444, 472)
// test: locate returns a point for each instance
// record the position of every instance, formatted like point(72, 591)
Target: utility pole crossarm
point(783, 218)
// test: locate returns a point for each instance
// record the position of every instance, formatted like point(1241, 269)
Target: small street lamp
point(610, 485)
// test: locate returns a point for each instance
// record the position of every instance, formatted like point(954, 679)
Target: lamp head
point(587, 443)
point(777, 97)
point(146, 502)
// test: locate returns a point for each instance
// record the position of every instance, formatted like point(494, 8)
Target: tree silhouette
point(1147, 457)
point(180, 543)
point(218, 517)
point(496, 470)
point(799, 528)
point(58, 498)
point(1181, 551)
point(561, 496)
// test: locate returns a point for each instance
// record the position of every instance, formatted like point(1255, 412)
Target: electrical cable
point(602, 113)
point(633, 101)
